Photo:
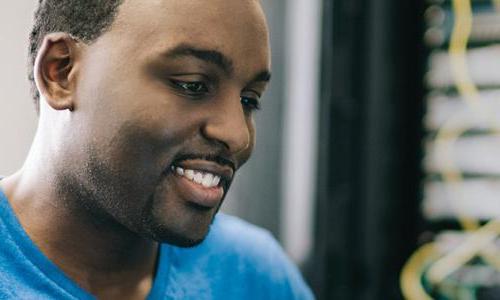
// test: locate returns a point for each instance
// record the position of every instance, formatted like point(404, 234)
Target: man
point(145, 113)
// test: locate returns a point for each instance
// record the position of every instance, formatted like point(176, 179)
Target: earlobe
point(55, 70)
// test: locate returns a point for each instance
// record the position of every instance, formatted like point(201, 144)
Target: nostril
point(231, 134)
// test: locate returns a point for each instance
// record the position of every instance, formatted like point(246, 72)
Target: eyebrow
point(211, 56)
point(264, 76)
point(214, 57)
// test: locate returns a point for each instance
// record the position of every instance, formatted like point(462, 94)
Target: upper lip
point(225, 172)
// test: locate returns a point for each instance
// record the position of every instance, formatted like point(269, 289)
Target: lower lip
point(198, 194)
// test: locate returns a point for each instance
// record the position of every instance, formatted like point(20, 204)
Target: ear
point(55, 70)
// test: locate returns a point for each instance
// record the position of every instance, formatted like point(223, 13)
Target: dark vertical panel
point(369, 157)
point(334, 266)
point(391, 171)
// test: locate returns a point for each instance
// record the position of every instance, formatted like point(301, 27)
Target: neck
point(101, 256)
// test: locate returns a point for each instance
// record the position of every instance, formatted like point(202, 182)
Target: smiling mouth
point(202, 178)
point(206, 172)
point(201, 183)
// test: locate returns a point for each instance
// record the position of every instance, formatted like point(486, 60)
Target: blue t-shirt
point(237, 260)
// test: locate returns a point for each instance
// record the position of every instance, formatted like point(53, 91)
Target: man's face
point(163, 113)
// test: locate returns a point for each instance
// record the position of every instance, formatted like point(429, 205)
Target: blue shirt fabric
point(237, 260)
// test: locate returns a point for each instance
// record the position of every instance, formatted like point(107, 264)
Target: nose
point(227, 124)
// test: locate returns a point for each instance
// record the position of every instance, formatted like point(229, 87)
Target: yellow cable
point(446, 138)
point(411, 275)
point(473, 244)
point(470, 94)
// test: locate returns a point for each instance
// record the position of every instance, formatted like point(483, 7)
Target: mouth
point(202, 183)
point(205, 179)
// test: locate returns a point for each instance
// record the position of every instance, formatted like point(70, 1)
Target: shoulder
point(237, 235)
point(251, 254)
point(232, 236)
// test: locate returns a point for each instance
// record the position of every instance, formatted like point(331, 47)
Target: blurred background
point(377, 163)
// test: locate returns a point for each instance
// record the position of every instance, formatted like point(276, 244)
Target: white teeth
point(180, 171)
point(189, 174)
point(215, 181)
point(207, 180)
point(198, 177)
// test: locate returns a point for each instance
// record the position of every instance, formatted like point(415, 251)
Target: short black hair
point(85, 20)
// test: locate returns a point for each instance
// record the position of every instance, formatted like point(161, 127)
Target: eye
point(194, 88)
point(250, 103)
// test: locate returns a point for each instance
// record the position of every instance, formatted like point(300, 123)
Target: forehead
point(236, 28)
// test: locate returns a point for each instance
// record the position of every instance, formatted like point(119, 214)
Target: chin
point(178, 224)
point(181, 241)
point(179, 238)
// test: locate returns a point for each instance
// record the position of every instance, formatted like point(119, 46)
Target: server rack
point(460, 253)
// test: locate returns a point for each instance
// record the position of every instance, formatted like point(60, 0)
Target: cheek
point(120, 110)
point(115, 95)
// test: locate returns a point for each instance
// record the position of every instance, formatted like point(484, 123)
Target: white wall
point(300, 130)
point(17, 115)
